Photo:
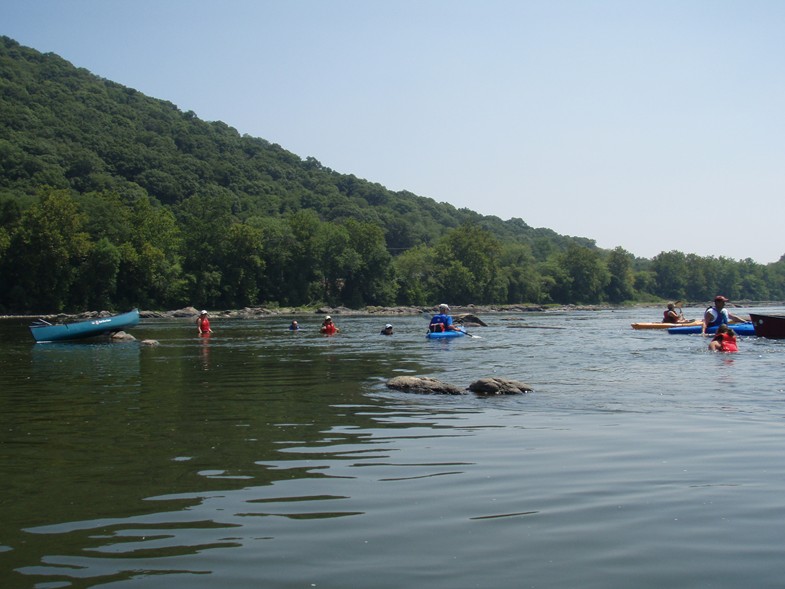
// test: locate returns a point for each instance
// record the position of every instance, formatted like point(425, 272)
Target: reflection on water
point(258, 457)
point(205, 352)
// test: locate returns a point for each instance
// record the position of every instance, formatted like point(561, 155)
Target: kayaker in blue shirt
point(442, 321)
point(718, 315)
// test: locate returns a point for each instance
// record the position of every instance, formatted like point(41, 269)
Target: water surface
point(263, 458)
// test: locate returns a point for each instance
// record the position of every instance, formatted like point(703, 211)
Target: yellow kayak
point(661, 325)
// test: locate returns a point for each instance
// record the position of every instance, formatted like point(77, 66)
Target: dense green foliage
point(111, 199)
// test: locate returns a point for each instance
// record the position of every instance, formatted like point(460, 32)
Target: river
point(258, 457)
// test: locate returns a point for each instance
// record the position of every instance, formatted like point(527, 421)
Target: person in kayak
point(203, 323)
point(328, 327)
point(442, 321)
point(724, 340)
point(387, 330)
point(718, 315)
point(671, 316)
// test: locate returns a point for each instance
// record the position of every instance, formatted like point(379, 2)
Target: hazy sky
point(653, 125)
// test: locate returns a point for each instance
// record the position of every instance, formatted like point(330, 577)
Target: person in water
point(724, 340)
point(387, 330)
point(671, 316)
point(203, 323)
point(442, 321)
point(294, 326)
point(718, 315)
point(328, 327)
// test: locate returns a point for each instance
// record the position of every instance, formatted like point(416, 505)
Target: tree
point(96, 284)
point(672, 274)
point(150, 269)
point(471, 254)
point(620, 286)
point(335, 260)
point(588, 275)
point(456, 284)
point(518, 270)
point(302, 274)
point(370, 278)
point(415, 272)
point(44, 251)
point(205, 220)
point(242, 264)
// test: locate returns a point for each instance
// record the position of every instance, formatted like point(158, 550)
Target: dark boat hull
point(770, 326)
point(43, 332)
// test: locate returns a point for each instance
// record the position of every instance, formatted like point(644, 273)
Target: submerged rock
point(423, 385)
point(499, 386)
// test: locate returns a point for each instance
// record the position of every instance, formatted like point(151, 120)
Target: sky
point(651, 125)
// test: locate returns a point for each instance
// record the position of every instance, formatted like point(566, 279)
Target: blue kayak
point(739, 328)
point(444, 334)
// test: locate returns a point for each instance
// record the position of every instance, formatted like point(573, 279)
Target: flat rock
point(121, 336)
point(423, 385)
point(499, 386)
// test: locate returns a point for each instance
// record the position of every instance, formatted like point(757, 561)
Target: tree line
point(71, 251)
point(110, 199)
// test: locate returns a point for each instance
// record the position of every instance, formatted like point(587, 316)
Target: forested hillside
point(111, 199)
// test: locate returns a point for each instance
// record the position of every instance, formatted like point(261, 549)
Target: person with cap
point(328, 327)
point(718, 315)
point(388, 330)
point(203, 323)
point(442, 321)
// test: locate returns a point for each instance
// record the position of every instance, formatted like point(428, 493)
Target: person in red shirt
point(203, 323)
point(724, 340)
point(328, 327)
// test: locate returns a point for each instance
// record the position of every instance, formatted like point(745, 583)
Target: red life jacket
point(728, 342)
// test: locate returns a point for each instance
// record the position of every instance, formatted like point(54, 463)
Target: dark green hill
point(112, 199)
point(67, 128)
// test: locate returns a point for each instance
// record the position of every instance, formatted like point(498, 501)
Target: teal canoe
point(46, 332)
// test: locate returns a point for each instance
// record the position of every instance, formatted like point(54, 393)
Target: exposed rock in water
point(469, 320)
point(499, 386)
point(149, 342)
point(121, 336)
point(423, 385)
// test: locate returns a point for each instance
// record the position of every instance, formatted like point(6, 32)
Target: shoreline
point(261, 311)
